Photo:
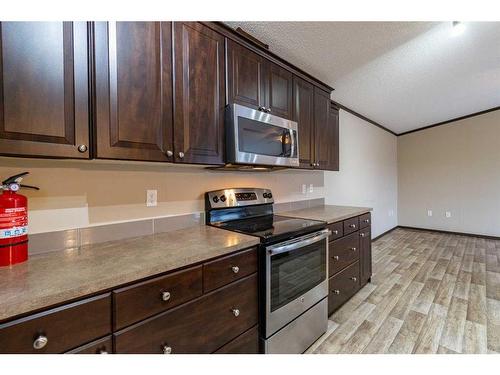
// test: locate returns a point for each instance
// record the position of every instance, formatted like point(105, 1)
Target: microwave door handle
point(292, 142)
point(291, 246)
point(285, 150)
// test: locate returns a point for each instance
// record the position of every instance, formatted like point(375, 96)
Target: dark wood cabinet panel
point(199, 94)
point(365, 243)
point(342, 286)
point(279, 93)
point(245, 76)
point(246, 343)
point(150, 297)
point(44, 107)
point(62, 328)
point(227, 269)
point(337, 230)
point(351, 225)
point(334, 140)
point(303, 108)
point(365, 220)
point(322, 136)
point(133, 79)
point(101, 346)
point(343, 252)
point(200, 326)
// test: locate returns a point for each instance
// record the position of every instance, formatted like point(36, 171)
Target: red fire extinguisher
point(13, 221)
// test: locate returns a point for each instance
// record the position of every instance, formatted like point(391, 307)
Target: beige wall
point(456, 168)
point(368, 172)
point(85, 193)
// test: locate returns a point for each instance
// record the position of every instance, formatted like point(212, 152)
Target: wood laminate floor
point(430, 293)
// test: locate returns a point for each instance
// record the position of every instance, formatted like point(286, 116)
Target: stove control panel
point(237, 197)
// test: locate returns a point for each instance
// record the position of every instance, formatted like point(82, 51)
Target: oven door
point(256, 137)
point(296, 278)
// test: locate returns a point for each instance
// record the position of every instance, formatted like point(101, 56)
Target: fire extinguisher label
point(13, 232)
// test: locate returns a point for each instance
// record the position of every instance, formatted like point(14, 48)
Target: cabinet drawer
point(139, 301)
point(337, 230)
point(365, 220)
point(101, 346)
point(246, 343)
point(351, 225)
point(199, 326)
point(61, 329)
point(230, 268)
point(343, 252)
point(343, 286)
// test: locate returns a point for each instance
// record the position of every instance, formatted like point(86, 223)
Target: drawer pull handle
point(235, 269)
point(353, 249)
point(352, 225)
point(354, 279)
point(235, 312)
point(167, 349)
point(335, 257)
point(335, 231)
point(40, 342)
point(366, 221)
point(165, 296)
point(336, 291)
point(103, 351)
point(362, 234)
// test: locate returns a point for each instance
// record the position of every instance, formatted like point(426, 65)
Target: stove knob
point(215, 199)
point(269, 195)
point(222, 198)
point(264, 195)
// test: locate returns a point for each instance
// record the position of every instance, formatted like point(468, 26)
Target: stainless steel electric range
point(293, 266)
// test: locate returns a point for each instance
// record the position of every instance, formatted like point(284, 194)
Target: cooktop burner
point(271, 228)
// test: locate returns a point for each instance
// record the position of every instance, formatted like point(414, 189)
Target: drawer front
point(365, 220)
point(60, 329)
point(140, 301)
point(200, 326)
point(228, 269)
point(343, 252)
point(351, 225)
point(343, 286)
point(337, 230)
point(102, 346)
point(246, 343)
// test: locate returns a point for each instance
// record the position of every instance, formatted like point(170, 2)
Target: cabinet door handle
point(353, 249)
point(235, 312)
point(235, 269)
point(181, 155)
point(354, 279)
point(366, 221)
point(336, 291)
point(335, 231)
point(352, 226)
point(167, 349)
point(40, 342)
point(362, 234)
point(165, 296)
point(103, 351)
point(82, 148)
point(169, 153)
point(335, 257)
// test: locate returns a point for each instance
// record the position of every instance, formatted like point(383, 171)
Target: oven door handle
point(298, 243)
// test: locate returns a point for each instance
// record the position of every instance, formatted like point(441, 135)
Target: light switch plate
point(151, 198)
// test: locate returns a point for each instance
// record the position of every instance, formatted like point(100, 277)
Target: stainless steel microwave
point(258, 138)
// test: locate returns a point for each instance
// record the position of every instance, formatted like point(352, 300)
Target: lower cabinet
point(200, 326)
point(350, 260)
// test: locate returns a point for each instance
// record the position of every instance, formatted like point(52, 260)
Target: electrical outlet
point(448, 214)
point(311, 188)
point(151, 198)
point(304, 189)
point(429, 213)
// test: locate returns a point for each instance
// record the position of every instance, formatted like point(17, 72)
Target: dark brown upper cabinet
point(303, 104)
point(44, 89)
point(326, 132)
point(279, 97)
point(257, 82)
point(133, 84)
point(199, 94)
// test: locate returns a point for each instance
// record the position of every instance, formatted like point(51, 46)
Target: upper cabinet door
point(333, 149)
point(133, 69)
point(322, 133)
point(44, 89)
point(279, 97)
point(245, 73)
point(303, 101)
point(199, 94)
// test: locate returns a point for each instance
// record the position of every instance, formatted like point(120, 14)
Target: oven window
point(295, 272)
point(257, 137)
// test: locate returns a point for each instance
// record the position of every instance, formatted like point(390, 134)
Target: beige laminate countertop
point(328, 213)
point(54, 278)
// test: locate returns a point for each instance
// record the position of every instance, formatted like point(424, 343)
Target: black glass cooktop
point(272, 228)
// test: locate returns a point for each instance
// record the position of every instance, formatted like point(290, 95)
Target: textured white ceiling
point(403, 75)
